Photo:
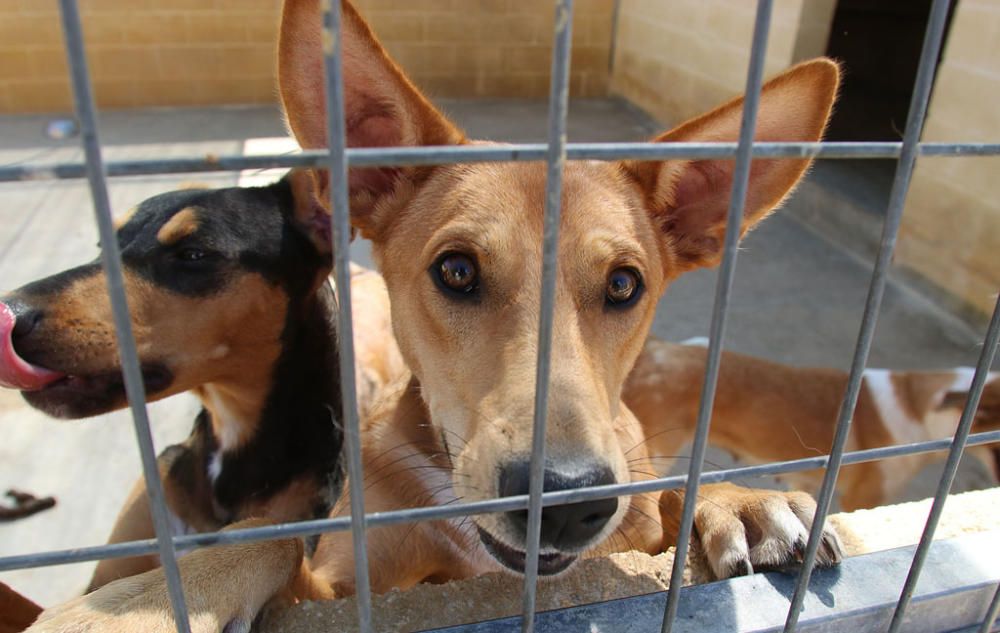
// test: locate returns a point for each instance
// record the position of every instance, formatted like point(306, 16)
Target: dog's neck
point(276, 425)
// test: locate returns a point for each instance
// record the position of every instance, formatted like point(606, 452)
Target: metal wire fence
point(554, 153)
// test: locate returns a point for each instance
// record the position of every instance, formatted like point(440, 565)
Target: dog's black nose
point(26, 318)
point(565, 527)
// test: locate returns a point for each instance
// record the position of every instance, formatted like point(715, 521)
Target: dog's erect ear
point(312, 217)
point(382, 108)
point(689, 199)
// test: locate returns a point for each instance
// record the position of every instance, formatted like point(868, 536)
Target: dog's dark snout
point(26, 318)
point(565, 527)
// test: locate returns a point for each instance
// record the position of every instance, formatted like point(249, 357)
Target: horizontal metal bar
point(505, 504)
point(436, 155)
point(857, 596)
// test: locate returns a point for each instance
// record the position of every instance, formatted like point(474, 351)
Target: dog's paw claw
point(743, 568)
point(831, 551)
point(742, 530)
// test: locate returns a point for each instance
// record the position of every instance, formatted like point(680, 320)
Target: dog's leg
point(182, 479)
point(134, 523)
point(741, 530)
point(225, 588)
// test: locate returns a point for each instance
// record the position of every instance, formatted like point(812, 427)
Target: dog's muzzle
point(16, 373)
point(566, 530)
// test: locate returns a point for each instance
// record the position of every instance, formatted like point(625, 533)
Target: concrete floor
point(797, 298)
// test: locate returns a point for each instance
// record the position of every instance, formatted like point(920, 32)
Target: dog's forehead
point(594, 194)
point(231, 212)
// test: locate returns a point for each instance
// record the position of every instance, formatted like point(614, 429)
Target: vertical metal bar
point(734, 221)
point(111, 260)
point(341, 238)
point(951, 467)
point(555, 161)
point(876, 290)
point(991, 613)
point(616, 11)
point(340, 225)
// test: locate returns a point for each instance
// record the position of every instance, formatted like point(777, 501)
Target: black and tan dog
point(229, 298)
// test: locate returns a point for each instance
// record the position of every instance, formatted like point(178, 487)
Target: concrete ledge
point(959, 580)
point(623, 592)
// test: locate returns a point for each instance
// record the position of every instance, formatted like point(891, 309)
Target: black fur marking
point(236, 232)
point(296, 434)
point(58, 283)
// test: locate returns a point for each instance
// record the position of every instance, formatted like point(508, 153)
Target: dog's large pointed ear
point(382, 107)
point(689, 199)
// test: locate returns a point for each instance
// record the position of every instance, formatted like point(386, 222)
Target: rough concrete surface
point(797, 299)
point(617, 576)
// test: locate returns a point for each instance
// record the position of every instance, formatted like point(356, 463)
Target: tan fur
point(767, 412)
point(183, 224)
point(142, 603)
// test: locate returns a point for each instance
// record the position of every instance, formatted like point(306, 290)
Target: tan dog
point(459, 247)
point(768, 412)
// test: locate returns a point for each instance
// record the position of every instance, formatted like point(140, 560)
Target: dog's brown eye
point(624, 285)
point(457, 273)
point(191, 255)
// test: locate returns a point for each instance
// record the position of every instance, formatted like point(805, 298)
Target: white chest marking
point(215, 466)
point(227, 423)
point(902, 428)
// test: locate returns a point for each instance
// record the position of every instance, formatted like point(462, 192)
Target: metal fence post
point(111, 261)
point(555, 161)
point(897, 198)
point(727, 270)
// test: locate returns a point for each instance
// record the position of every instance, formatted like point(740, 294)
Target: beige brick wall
point(187, 52)
point(951, 227)
point(141, 52)
point(677, 58)
point(492, 48)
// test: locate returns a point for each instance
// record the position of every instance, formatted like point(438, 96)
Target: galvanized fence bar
point(437, 155)
point(723, 288)
point(505, 504)
point(341, 241)
point(876, 290)
point(951, 466)
point(111, 261)
point(991, 613)
point(555, 161)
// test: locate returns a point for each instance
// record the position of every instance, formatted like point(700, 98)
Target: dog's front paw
point(742, 530)
point(225, 588)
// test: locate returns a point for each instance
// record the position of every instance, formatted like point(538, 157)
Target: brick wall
point(492, 48)
point(951, 227)
point(677, 58)
point(141, 52)
point(204, 52)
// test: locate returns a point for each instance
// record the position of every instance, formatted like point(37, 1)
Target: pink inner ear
point(700, 180)
point(371, 123)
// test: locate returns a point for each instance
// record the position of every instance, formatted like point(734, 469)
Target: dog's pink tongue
point(15, 372)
